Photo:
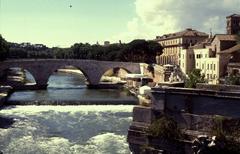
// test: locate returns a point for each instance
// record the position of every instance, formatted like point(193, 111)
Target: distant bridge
point(42, 69)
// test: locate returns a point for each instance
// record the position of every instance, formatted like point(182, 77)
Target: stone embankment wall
point(193, 110)
point(5, 91)
point(218, 87)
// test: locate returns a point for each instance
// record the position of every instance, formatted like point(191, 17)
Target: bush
point(226, 135)
point(194, 78)
point(164, 127)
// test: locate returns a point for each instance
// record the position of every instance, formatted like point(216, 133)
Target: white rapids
point(83, 129)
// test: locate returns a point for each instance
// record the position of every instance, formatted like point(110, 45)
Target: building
point(187, 56)
point(175, 42)
point(210, 56)
point(213, 55)
point(233, 24)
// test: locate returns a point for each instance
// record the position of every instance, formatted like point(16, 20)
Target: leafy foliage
point(135, 51)
point(4, 48)
point(226, 134)
point(164, 127)
point(194, 78)
point(233, 79)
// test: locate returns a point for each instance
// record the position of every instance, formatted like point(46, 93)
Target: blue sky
point(54, 23)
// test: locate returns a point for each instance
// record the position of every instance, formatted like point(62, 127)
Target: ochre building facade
point(175, 42)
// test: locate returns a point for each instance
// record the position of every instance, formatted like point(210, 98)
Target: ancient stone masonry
point(198, 113)
point(41, 69)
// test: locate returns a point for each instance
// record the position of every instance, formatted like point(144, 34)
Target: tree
point(4, 48)
point(141, 51)
point(233, 79)
point(194, 78)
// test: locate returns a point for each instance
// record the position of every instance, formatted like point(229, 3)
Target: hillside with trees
point(135, 51)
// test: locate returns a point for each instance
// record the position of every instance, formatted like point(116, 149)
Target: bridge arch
point(69, 69)
point(15, 76)
point(115, 73)
point(41, 69)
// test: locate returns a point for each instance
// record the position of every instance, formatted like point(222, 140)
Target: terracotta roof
point(202, 44)
point(231, 50)
point(187, 32)
point(225, 37)
point(234, 15)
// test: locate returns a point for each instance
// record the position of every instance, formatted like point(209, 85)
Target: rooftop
point(202, 44)
point(231, 50)
point(225, 37)
point(187, 32)
point(234, 15)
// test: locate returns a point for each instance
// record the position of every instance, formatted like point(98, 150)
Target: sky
point(55, 23)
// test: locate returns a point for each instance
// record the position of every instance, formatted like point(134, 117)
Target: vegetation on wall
point(227, 132)
point(233, 79)
point(193, 78)
point(165, 127)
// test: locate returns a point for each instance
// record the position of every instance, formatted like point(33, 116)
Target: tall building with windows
point(233, 24)
point(209, 56)
point(175, 42)
point(212, 55)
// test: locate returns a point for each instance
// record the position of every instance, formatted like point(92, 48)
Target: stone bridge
point(42, 69)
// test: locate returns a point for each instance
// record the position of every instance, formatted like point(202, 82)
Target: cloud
point(157, 17)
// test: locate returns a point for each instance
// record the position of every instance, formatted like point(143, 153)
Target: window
point(206, 56)
point(202, 66)
point(208, 66)
point(211, 67)
point(207, 76)
point(198, 56)
point(214, 67)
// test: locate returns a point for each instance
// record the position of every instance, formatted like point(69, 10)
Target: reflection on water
point(71, 87)
point(88, 129)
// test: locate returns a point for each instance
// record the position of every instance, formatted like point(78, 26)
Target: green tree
point(141, 51)
point(4, 48)
point(233, 79)
point(194, 78)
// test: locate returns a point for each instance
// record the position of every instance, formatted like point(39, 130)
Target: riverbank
point(70, 71)
point(5, 91)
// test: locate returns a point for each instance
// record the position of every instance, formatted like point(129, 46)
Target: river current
point(78, 129)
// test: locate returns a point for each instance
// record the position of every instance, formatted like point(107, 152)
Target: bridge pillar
point(41, 86)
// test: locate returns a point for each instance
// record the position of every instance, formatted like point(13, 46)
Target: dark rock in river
point(6, 123)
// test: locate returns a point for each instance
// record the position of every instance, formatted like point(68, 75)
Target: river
point(80, 129)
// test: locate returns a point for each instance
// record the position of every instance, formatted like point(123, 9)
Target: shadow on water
point(7, 107)
point(6, 123)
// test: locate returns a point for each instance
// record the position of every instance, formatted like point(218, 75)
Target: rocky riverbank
point(5, 91)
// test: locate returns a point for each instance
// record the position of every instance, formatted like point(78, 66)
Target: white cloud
point(157, 17)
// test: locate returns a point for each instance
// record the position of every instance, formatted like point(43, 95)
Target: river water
point(80, 129)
